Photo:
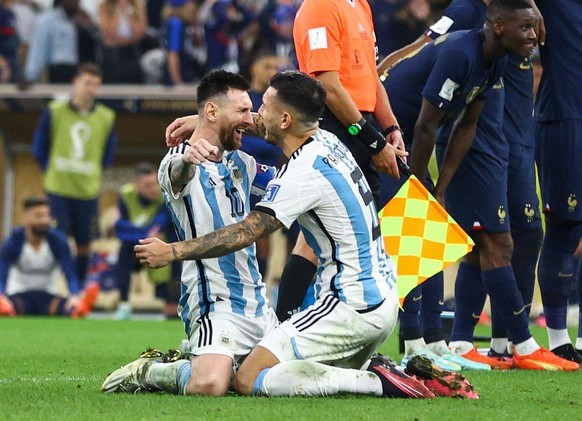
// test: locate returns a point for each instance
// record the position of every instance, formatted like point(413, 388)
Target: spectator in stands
point(226, 21)
point(61, 37)
point(31, 261)
point(186, 52)
point(8, 42)
point(73, 143)
point(123, 25)
point(143, 214)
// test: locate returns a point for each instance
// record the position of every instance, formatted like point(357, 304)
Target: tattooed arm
point(155, 253)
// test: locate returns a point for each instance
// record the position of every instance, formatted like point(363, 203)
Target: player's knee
point(208, 385)
point(496, 249)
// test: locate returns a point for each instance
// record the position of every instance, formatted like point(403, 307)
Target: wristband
point(371, 137)
point(391, 129)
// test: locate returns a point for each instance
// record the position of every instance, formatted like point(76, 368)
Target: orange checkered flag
point(420, 236)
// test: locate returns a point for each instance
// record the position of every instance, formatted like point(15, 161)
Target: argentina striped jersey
point(218, 195)
point(323, 188)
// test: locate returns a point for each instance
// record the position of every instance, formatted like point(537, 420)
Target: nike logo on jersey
point(417, 298)
point(476, 316)
point(441, 303)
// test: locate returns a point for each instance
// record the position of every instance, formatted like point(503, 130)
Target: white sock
point(164, 376)
point(510, 347)
point(412, 345)
point(499, 345)
point(460, 347)
point(557, 337)
point(528, 347)
point(439, 347)
point(307, 378)
point(578, 343)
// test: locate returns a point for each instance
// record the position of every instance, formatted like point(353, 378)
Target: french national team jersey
point(449, 72)
point(562, 61)
point(516, 101)
point(218, 195)
point(324, 190)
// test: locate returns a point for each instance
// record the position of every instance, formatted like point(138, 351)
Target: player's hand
point(395, 139)
point(578, 252)
point(200, 152)
point(154, 253)
point(6, 306)
point(180, 129)
point(385, 160)
point(540, 24)
point(440, 197)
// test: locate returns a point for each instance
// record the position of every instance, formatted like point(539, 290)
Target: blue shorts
point(524, 205)
point(477, 195)
point(37, 303)
point(75, 217)
point(559, 160)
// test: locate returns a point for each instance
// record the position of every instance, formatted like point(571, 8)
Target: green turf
point(52, 369)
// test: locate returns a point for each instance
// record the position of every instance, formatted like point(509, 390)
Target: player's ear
point(498, 27)
point(210, 111)
point(286, 120)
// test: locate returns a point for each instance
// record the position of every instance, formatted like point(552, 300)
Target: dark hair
point(32, 202)
point(91, 68)
point(144, 168)
point(302, 92)
point(501, 8)
point(218, 82)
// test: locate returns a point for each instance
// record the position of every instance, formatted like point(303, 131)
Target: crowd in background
point(168, 41)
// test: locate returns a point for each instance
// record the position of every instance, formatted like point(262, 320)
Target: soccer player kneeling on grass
point(319, 351)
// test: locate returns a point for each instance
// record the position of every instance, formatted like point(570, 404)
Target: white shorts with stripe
point(331, 332)
point(230, 334)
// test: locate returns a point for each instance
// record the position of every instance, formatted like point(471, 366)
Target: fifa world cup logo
point(80, 133)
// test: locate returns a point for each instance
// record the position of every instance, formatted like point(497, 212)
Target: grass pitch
point(51, 369)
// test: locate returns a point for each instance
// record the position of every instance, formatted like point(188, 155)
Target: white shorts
point(331, 332)
point(230, 334)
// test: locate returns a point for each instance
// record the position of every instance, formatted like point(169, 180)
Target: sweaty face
point(519, 34)
point(148, 187)
point(271, 115)
point(234, 117)
point(38, 219)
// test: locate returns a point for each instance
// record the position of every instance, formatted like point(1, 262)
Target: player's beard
point(228, 140)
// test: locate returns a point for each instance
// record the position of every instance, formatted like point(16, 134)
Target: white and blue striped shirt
point(218, 195)
point(323, 188)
